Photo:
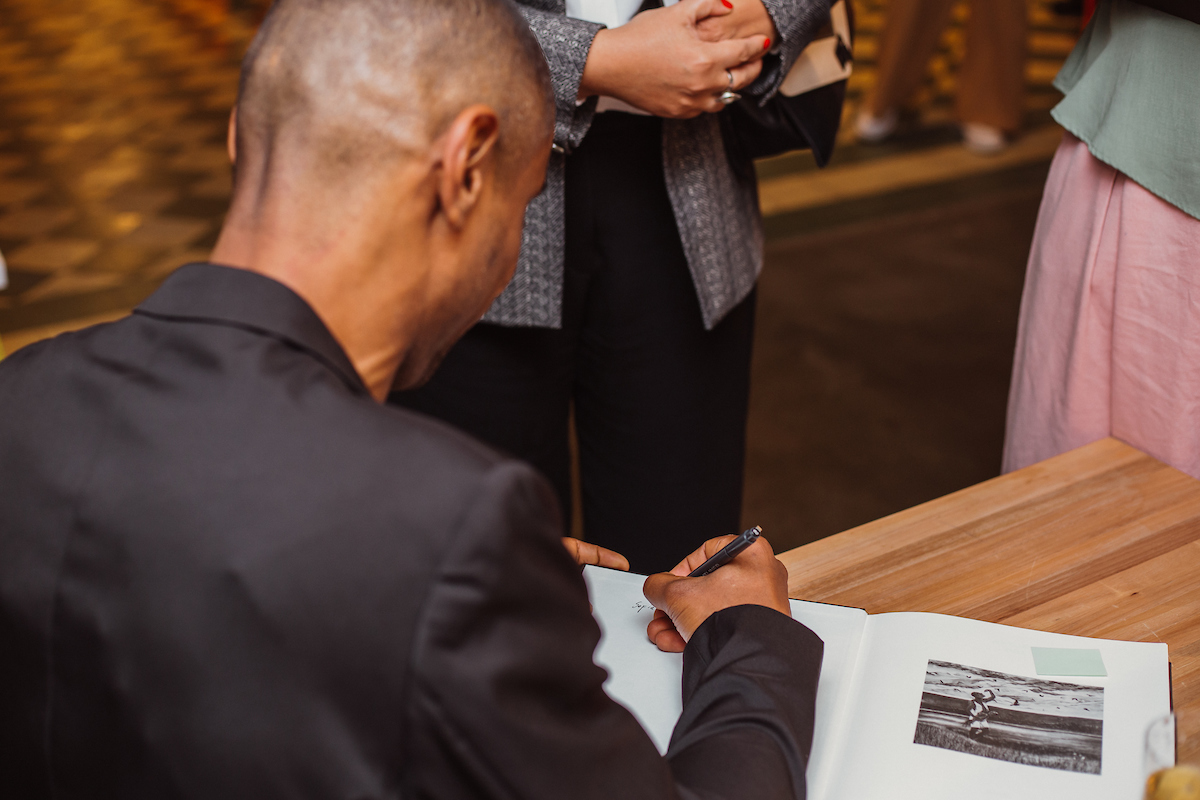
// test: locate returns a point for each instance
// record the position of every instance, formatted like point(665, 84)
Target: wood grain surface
point(1102, 541)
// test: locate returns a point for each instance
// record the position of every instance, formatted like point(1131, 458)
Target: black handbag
point(806, 111)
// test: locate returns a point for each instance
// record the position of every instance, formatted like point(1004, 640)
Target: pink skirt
point(1109, 338)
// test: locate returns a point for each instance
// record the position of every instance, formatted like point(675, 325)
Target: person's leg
point(1060, 396)
point(910, 34)
point(660, 403)
point(991, 85)
point(509, 387)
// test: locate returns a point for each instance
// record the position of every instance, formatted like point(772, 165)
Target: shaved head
point(385, 152)
point(358, 83)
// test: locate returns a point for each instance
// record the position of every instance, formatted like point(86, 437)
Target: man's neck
point(364, 314)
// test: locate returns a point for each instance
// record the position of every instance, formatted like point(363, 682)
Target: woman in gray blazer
point(633, 302)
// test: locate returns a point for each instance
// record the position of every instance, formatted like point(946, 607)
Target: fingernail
point(727, 4)
point(766, 44)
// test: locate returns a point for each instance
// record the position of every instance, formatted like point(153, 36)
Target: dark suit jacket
point(225, 572)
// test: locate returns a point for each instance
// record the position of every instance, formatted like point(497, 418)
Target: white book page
point(1054, 721)
point(641, 677)
point(648, 681)
point(841, 629)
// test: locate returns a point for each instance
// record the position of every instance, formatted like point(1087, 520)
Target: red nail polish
point(727, 4)
point(766, 44)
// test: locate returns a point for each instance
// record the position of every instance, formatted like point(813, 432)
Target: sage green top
point(1132, 89)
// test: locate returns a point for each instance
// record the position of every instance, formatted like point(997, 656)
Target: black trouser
point(660, 403)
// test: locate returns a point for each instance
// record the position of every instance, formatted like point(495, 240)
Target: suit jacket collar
point(219, 295)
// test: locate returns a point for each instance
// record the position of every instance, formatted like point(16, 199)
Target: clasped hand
point(682, 604)
point(675, 61)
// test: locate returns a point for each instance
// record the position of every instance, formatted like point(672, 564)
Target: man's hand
point(659, 63)
point(585, 554)
point(755, 577)
point(748, 18)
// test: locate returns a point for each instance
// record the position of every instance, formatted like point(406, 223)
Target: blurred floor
point(889, 301)
point(882, 358)
point(888, 306)
point(112, 159)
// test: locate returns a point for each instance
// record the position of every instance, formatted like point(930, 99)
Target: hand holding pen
point(727, 553)
point(730, 571)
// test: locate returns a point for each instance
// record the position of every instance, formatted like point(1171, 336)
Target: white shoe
point(872, 129)
point(983, 140)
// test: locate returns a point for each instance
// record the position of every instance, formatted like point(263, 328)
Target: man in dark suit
point(228, 571)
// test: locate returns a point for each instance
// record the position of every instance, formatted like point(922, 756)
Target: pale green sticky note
point(1068, 661)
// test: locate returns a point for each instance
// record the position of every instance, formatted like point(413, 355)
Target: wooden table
point(1102, 541)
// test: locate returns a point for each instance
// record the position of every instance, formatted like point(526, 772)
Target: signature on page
point(639, 607)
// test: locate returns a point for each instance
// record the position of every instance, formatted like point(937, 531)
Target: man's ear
point(468, 151)
point(231, 137)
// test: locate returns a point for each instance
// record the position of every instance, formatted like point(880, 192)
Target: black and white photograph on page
point(1011, 718)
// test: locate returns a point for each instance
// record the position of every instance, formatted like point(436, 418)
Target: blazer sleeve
point(797, 22)
point(506, 702)
point(566, 43)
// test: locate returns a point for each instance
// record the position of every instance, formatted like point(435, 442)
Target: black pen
point(728, 553)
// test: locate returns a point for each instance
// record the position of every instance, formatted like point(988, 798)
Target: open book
point(926, 705)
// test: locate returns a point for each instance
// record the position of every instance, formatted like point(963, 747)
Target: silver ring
point(729, 97)
point(730, 74)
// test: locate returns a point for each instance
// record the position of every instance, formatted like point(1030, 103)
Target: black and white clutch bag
point(807, 110)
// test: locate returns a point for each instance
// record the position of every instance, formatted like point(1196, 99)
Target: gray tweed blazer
point(716, 210)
